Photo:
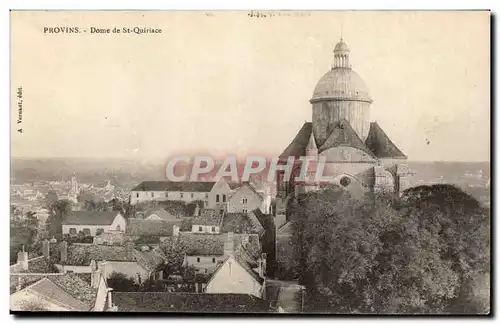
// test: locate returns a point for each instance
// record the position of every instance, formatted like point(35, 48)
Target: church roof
point(85, 217)
point(343, 135)
point(377, 144)
point(381, 145)
point(298, 146)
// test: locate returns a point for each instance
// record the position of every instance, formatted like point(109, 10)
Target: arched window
point(217, 199)
point(223, 198)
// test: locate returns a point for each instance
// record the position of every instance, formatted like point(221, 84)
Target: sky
point(227, 83)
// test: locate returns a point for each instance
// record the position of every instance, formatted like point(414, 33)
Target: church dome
point(341, 83)
point(341, 47)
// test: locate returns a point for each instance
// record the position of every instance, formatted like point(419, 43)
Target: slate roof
point(144, 227)
point(90, 218)
point(36, 265)
point(189, 302)
point(381, 145)
point(73, 284)
point(162, 213)
point(209, 217)
point(186, 186)
point(298, 146)
point(209, 244)
point(343, 135)
point(247, 262)
point(377, 143)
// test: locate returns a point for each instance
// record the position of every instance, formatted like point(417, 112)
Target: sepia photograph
point(250, 162)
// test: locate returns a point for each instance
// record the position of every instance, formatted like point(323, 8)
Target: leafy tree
point(120, 282)
point(378, 255)
point(58, 211)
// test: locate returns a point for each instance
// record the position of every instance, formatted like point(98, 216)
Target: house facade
point(245, 199)
point(93, 223)
point(167, 190)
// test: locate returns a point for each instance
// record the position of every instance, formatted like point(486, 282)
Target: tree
point(32, 306)
point(58, 211)
point(120, 282)
point(381, 256)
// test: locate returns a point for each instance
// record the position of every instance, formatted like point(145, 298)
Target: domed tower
point(340, 94)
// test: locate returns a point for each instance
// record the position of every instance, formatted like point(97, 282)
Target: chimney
point(22, 259)
point(110, 299)
point(196, 211)
point(229, 244)
point(46, 248)
point(176, 230)
point(64, 252)
point(129, 246)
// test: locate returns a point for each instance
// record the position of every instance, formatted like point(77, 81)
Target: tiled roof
point(36, 265)
point(74, 285)
point(381, 145)
point(143, 227)
point(343, 135)
point(90, 218)
point(209, 217)
point(240, 223)
point(189, 302)
point(49, 289)
point(83, 254)
point(186, 225)
point(187, 186)
point(247, 185)
point(209, 244)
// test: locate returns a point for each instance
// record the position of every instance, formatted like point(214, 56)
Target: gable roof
point(298, 146)
point(344, 135)
point(208, 217)
point(90, 218)
point(381, 145)
point(189, 302)
point(186, 186)
point(51, 291)
point(160, 212)
point(209, 244)
point(146, 227)
point(241, 223)
point(246, 185)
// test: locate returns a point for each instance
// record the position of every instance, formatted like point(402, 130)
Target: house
point(244, 199)
point(209, 221)
point(188, 303)
point(61, 292)
point(205, 251)
point(127, 260)
point(92, 223)
point(152, 231)
point(241, 272)
point(37, 285)
point(168, 190)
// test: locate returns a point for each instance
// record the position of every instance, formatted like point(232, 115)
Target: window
point(217, 199)
point(206, 270)
point(244, 201)
point(213, 260)
point(244, 210)
point(213, 228)
point(86, 231)
point(137, 195)
point(118, 227)
point(72, 231)
point(99, 231)
point(166, 194)
point(198, 260)
point(206, 196)
point(192, 195)
point(182, 195)
point(345, 181)
point(152, 195)
point(223, 198)
point(200, 229)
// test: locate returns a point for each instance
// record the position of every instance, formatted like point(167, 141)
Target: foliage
point(58, 211)
point(31, 306)
point(120, 282)
point(418, 255)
